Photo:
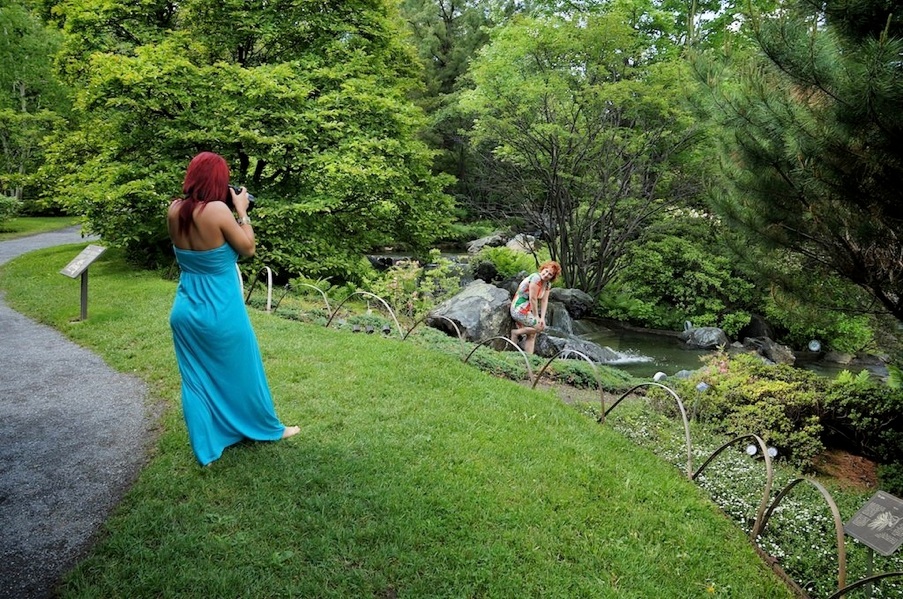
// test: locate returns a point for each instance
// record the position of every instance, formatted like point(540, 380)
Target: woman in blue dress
point(225, 394)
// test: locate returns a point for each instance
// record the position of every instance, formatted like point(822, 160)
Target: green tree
point(447, 34)
point(586, 137)
point(812, 124)
point(308, 103)
point(32, 103)
point(682, 272)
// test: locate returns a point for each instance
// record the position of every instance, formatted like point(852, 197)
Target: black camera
point(237, 190)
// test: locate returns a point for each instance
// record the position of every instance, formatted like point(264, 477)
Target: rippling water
point(646, 354)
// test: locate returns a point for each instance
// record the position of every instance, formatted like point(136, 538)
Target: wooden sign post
point(79, 267)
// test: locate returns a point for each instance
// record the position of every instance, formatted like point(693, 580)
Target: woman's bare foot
point(290, 431)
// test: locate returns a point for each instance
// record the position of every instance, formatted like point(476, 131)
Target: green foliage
point(797, 411)
point(779, 403)
point(810, 129)
point(840, 326)
point(587, 139)
point(412, 289)
point(866, 417)
point(447, 36)
point(895, 377)
point(32, 102)
point(23, 226)
point(680, 273)
point(309, 107)
point(9, 207)
point(848, 379)
point(890, 477)
point(459, 233)
point(508, 262)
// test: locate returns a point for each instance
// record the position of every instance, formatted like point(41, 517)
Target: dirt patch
point(572, 395)
point(847, 469)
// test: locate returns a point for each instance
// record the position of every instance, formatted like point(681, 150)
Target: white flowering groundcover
point(800, 533)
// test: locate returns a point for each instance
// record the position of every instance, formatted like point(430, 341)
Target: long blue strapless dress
point(225, 394)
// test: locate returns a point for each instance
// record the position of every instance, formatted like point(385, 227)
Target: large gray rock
point(549, 345)
point(480, 311)
point(497, 239)
point(523, 243)
point(578, 303)
point(839, 357)
point(765, 347)
point(705, 338)
point(757, 327)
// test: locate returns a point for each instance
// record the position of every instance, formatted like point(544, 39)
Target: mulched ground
point(849, 470)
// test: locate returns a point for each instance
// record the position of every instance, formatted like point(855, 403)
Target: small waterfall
point(628, 357)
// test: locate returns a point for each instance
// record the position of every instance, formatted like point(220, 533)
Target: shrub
point(799, 412)
point(678, 274)
point(507, 262)
point(9, 207)
point(413, 290)
point(865, 417)
point(460, 233)
point(779, 403)
point(846, 331)
point(890, 478)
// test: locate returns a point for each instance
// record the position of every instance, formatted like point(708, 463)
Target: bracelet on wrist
point(245, 220)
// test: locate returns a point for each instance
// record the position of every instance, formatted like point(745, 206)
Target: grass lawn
point(414, 475)
point(23, 226)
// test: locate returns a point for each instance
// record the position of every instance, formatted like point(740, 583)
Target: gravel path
point(73, 436)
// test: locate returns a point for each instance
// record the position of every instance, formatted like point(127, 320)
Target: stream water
point(644, 354)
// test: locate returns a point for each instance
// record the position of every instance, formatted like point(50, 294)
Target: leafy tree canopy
point(307, 101)
point(585, 136)
point(31, 100)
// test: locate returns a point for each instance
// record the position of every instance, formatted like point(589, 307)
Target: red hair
point(553, 266)
point(206, 180)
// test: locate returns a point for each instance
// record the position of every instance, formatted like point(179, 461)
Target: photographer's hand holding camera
point(225, 394)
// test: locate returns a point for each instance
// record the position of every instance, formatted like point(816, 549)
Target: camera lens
point(237, 190)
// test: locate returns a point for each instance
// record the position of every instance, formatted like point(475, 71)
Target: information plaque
point(82, 261)
point(79, 267)
point(878, 524)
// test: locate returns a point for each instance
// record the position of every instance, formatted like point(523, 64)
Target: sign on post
point(79, 267)
point(878, 524)
point(81, 262)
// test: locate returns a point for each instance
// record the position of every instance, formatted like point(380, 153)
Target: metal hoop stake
point(769, 479)
point(683, 415)
point(507, 340)
point(323, 293)
point(838, 524)
point(269, 287)
point(588, 360)
point(374, 296)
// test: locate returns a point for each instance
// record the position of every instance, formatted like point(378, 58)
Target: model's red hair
point(553, 266)
point(206, 180)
